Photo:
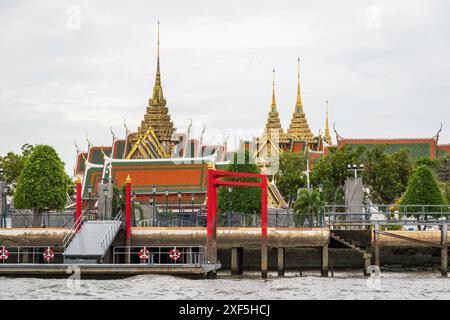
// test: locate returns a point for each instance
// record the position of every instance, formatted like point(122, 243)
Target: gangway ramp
point(92, 241)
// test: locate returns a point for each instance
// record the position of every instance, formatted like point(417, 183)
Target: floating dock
point(106, 270)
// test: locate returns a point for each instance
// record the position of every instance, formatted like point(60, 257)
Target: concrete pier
point(237, 260)
point(281, 262)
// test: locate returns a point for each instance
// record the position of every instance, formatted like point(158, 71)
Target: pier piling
point(237, 255)
point(444, 250)
point(281, 261)
point(324, 260)
point(376, 245)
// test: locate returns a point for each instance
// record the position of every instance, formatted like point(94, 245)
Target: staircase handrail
point(73, 231)
point(111, 232)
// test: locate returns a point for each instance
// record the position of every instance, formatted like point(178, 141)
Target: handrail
point(111, 231)
point(73, 231)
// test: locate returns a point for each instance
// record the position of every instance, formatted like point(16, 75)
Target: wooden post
point(236, 261)
point(281, 261)
point(367, 263)
point(128, 218)
point(444, 248)
point(376, 245)
point(264, 226)
point(324, 260)
point(78, 204)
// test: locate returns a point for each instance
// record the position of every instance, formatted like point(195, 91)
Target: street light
point(355, 169)
point(153, 202)
point(179, 194)
point(167, 200)
point(192, 203)
point(106, 195)
point(4, 205)
point(230, 202)
point(321, 208)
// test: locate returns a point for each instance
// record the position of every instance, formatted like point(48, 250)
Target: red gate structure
point(214, 182)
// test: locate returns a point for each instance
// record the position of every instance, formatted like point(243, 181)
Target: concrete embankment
point(302, 246)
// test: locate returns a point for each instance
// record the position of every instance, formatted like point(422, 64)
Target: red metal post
point(264, 226)
point(128, 208)
point(209, 225)
point(78, 207)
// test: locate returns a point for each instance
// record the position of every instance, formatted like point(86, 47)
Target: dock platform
point(199, 271)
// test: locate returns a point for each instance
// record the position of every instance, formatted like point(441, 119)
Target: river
point(344, 285)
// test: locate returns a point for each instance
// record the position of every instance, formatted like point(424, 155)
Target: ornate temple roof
point(273, 124)
point(157, 116)
point(299, 128)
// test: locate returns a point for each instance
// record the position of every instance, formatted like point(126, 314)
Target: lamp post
point(167, 200)
point(120, 201)
point(355, 169)
point(192, 203)
point(229, 219)
point(179, 194)
point(2, 206)
point(321, 219)
point(106, 196)
point(154, 204)
point(89, 202)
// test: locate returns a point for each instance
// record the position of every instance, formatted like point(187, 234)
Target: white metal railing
point(111, 233)
point(73, 231)
point(160, 255)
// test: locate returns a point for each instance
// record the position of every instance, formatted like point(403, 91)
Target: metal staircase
point(91, 242)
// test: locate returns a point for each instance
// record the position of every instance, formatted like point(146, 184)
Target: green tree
point(13, 164)
point(42, 184)
point(307, 205)
point(423, 190)
point(386, 174)
point(290, 177)
point(331, 172)
point(246, 200)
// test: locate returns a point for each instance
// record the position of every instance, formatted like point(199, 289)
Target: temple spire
point(298, 104)
point(157, 97)
point(274, 103)
point(327, 135)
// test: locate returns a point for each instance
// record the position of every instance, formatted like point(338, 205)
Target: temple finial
point(298, 104)
point(158, 97)
point(274, 103)
point(327, 135)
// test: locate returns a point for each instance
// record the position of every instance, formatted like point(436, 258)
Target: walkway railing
point(162, 255)
point(32, 254)
point(395, 215)
point(111, 233)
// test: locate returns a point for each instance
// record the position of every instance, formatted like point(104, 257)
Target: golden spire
point(298, 104)
point(274, 103)
point(327, 135)
point(158, 97)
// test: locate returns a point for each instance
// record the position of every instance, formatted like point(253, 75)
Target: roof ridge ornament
point(436, 136)
point(338, 136)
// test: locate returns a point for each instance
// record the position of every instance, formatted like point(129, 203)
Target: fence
point(31, 254)
point(160, 255)
point(367, 215)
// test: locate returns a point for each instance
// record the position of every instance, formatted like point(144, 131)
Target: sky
point(69, 69)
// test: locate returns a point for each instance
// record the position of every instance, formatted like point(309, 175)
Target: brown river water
point(344, 285)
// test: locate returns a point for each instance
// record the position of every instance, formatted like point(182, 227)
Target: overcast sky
point(68, 68)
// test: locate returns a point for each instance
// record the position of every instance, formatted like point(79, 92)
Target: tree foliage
point(245, 200)
point(13, 164)
point(42, 184)
point(386, 175)
point(307, 206)
point(290, 177)
point(423, 189)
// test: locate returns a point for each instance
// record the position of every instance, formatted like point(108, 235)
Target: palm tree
point(307, 205)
